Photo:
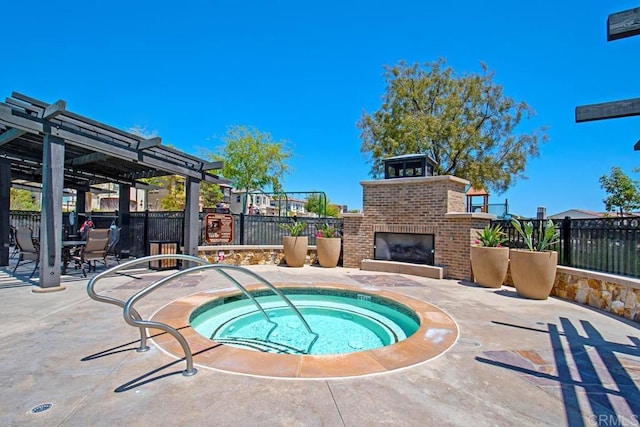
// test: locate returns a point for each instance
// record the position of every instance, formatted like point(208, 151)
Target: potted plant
point(489, 259)
point(294, 245)
point(328, 245)
point(534, 269)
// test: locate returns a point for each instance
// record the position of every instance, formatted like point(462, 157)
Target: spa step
point(260, 344)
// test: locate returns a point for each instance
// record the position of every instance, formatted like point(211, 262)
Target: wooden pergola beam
point(10, 135)
point(88, 158)
point(608, 110)
point(149, 143)
point(54, 109)
point(623, 24)
point(637, 146)
point(207, 166)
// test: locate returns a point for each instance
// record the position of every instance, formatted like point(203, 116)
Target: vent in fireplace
point(404, 247)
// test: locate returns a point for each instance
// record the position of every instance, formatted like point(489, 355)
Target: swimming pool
point(436, 333)
point(341, 322)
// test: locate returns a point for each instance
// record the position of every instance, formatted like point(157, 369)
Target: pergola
point(619, 25)
point(46, 144)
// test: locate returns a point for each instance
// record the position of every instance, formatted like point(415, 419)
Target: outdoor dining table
point(67, 248)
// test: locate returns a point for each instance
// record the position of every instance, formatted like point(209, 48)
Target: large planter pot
point(533, 273)
point(489, 265)
point(295, 250)
point(328, 249)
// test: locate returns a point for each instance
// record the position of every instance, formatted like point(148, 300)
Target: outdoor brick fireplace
point(420, 210)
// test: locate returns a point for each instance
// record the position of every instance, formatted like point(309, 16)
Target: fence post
point(146, 232)
point(242, 228)
point(566, 238)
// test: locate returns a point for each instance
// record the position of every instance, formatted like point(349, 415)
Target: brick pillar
point(352, 250)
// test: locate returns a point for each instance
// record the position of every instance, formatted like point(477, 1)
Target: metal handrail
point(133, 318)
point(268, 284)
point(109, 300)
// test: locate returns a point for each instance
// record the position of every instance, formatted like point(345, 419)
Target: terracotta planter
point(328, 249)
point(533, 273)
point(489, 265)
point(295, 250)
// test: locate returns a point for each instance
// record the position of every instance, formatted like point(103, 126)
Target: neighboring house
point(104, 197)
point(289, 207)
point(261, 202)
point(585, 214)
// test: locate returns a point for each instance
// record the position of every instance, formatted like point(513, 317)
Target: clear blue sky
point(305, 72)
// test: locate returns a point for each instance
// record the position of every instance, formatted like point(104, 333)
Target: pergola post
point(124, 215)
point(5, 201)
point(81, 208)
point(191, 214)
point(51, 215)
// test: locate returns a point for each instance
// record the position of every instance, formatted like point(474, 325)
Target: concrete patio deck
point(517, 362)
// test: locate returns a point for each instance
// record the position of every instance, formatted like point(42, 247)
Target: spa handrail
point(133, 318)
point(109, 300)
point(277, 291)
point(219, 267)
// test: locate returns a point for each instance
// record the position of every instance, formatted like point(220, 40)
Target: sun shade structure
point(47, 144)
point(619, 25)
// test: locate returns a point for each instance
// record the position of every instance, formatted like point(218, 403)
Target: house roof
point(586, 212)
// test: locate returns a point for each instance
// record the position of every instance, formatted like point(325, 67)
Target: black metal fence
point(169, 226)
point(610, 245)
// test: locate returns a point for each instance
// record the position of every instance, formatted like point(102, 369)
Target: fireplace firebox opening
point(404, 247)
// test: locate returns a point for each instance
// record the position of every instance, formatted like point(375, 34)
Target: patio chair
point(28, 250)
point(12, 241)
point(114, 238)
point(95, 249)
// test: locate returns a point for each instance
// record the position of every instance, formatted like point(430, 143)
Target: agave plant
point(491, 236)
point(548, 235)
point(294, 228)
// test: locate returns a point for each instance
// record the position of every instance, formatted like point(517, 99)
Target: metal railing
point(610, 245)
point(145, 226)
point(133, 318)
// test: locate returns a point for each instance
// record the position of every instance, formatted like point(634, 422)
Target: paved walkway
point(517, 362)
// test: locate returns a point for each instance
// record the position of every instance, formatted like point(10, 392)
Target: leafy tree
point(319, 205)
point(465, 123)
point(253, 160)
point(210, 194)
point(22, 200)
point(176, 199)
point(624, 193)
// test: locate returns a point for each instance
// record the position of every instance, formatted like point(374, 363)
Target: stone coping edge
point(414, 180)
point(469, 215)
point(244, 248)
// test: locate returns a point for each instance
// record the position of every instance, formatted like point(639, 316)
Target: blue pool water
point(345, 322)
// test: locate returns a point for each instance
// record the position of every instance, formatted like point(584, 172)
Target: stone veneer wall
point(249, 255)
point(430, 205)
point(617, 295)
